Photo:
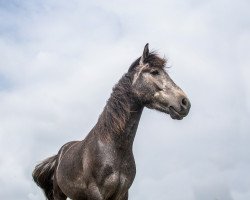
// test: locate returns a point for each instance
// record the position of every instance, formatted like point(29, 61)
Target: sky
point(60, 60)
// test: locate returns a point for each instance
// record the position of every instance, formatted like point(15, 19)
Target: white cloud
point(59, 61)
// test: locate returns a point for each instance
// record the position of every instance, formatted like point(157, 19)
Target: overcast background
point(60, 59)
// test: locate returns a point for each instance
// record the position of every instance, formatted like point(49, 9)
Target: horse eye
point(155, 72)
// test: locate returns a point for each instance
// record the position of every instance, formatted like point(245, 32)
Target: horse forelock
point(152, 59)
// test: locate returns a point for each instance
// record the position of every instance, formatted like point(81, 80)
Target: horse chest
point(116, 179)
point(116, 185)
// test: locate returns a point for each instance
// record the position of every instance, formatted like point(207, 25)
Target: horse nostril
point(185, 103)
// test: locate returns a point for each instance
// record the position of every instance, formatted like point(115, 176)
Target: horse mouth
point(174, 114)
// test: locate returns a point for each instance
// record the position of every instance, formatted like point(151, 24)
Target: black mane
point(117, 110)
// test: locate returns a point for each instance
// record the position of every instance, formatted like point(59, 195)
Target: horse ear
point(145, 54)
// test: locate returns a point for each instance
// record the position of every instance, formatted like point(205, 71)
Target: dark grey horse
point(102, 166)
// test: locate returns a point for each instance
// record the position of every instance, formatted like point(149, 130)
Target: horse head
point(153, 87)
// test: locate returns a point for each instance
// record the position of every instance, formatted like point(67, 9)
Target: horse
point(102, 166)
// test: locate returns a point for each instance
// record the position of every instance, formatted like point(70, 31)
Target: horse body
point(102, 166)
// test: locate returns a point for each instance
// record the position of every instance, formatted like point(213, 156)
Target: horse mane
point(152, 59)
point(117, 110)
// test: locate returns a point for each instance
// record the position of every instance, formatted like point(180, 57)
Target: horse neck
point(120, 118)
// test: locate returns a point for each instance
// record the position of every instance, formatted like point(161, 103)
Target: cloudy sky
point(60, 59)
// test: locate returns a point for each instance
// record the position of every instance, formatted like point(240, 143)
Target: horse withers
point(102, 166)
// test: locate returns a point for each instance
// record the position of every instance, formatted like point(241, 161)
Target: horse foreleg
point(91, 193)
point(94, 193)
